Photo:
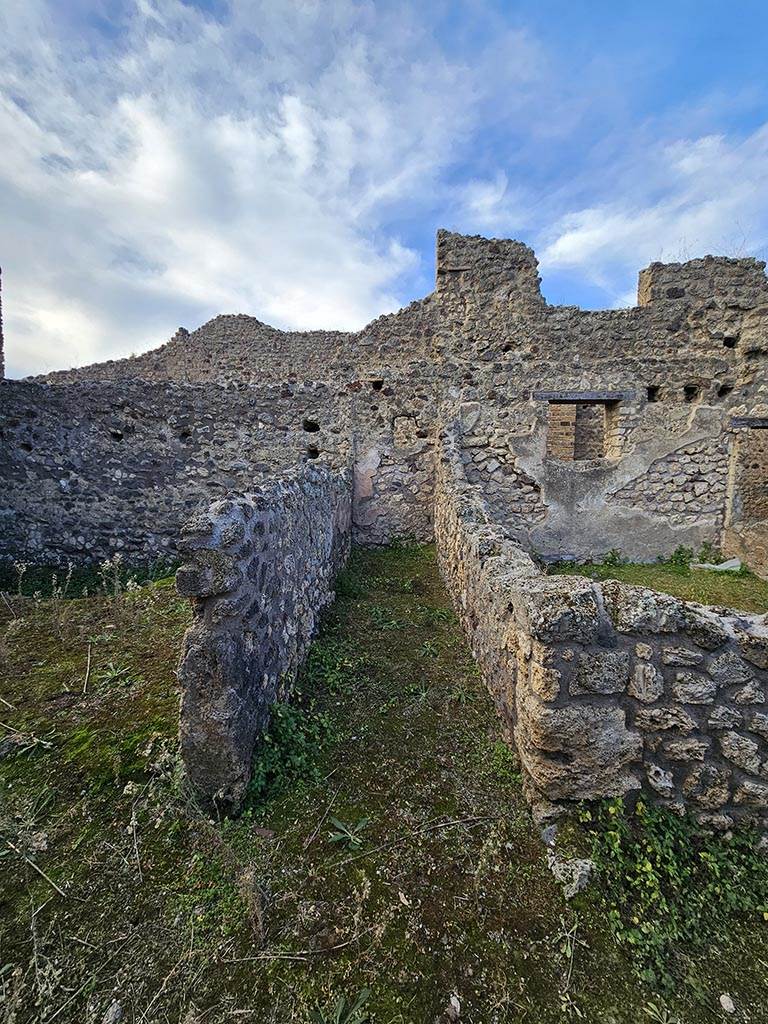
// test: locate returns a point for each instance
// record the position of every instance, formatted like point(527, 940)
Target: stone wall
point(651, 468)
point(97, 468)
point(260, 569)
point(94, 468)
point(607, 688)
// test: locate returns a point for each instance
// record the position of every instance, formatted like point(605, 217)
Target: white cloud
point(177, 166)
point(678, 200)
point(190, 167)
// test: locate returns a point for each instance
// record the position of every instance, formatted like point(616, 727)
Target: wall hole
point(377, 385)
point(653, 392)
point(311, 426)
point(312, 452)
point(724, 389)
point(691, 392)
point(729, 341)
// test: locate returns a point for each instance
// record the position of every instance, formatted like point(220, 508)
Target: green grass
point(742, 589)
point(387, 846)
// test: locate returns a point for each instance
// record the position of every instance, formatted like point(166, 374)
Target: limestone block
point(646, 683)
point(689, 749)
point(545, 682)
point(752, 693)
point(681, 656)
point(708, 786)
point(754, 649)
point(704, 629)
point(725, 718)
point(637, 610)
point(694, 688)
point(758, 723)
point(601, 672)
point(660, 780)
point(743, 752)
point(662, 719)
point(576, 752)
point(729, 669)
point(753, 793)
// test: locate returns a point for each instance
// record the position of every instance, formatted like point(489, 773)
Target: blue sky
point(163, 161)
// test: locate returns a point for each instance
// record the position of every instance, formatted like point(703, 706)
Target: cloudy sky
point(162, 161)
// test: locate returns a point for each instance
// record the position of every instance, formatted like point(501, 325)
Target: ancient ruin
point(511, 432)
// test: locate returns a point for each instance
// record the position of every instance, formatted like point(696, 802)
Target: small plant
point(113, 673)
point(350, 836)
point(709, 553)
point(668, 886)
point(20, 568)
point(503, 763)
point(681, 556)
point(333, 666)
point(430, 648)
point(382, 619)
point(613, 557)
point(434, 616)
point(659, 1014)
point(344, 1012)
point(110, 574)
point(289, 749)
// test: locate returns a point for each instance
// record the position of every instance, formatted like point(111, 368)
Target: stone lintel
point(583, 396)
point(754, 422)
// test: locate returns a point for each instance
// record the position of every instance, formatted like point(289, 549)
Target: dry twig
point(88, 667)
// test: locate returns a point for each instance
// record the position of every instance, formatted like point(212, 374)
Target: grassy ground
point(742, 589)
point(388, 847)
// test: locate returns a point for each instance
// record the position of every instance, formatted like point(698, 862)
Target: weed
point(682, 556)
point(382, 619)
point(113, 673)
point(503, 763)
point(344, 1012)
point(613, 557)
point(430, 648)
point(289, 750)
point(709, 553)
point(349, 835)
point(659, 1014)
point(435, 616)
point(333, 667)
point(669, 886)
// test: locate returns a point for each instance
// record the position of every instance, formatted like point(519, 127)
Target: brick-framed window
point(583, 426)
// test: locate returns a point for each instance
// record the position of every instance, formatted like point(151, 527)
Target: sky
point(163, 161)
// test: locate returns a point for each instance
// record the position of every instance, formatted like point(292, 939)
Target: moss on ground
point(265, 917)
point(742, 589)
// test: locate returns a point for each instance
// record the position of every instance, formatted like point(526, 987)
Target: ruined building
point(507, 430)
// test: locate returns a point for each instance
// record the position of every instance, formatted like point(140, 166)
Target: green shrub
point(289, 749)
point(670, 887)
point(681, 556)
point(613, 557)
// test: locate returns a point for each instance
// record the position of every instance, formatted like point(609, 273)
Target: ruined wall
point(93, 469)
point(590, 430)
point(243, 350)
point(607, 688)
point(260, 569)
point(2, 340)
point(679, 367)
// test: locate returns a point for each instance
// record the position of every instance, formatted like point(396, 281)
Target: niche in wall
point(582, 426)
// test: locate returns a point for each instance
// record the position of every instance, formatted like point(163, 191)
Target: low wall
point(607, 688)
point(260, 569)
